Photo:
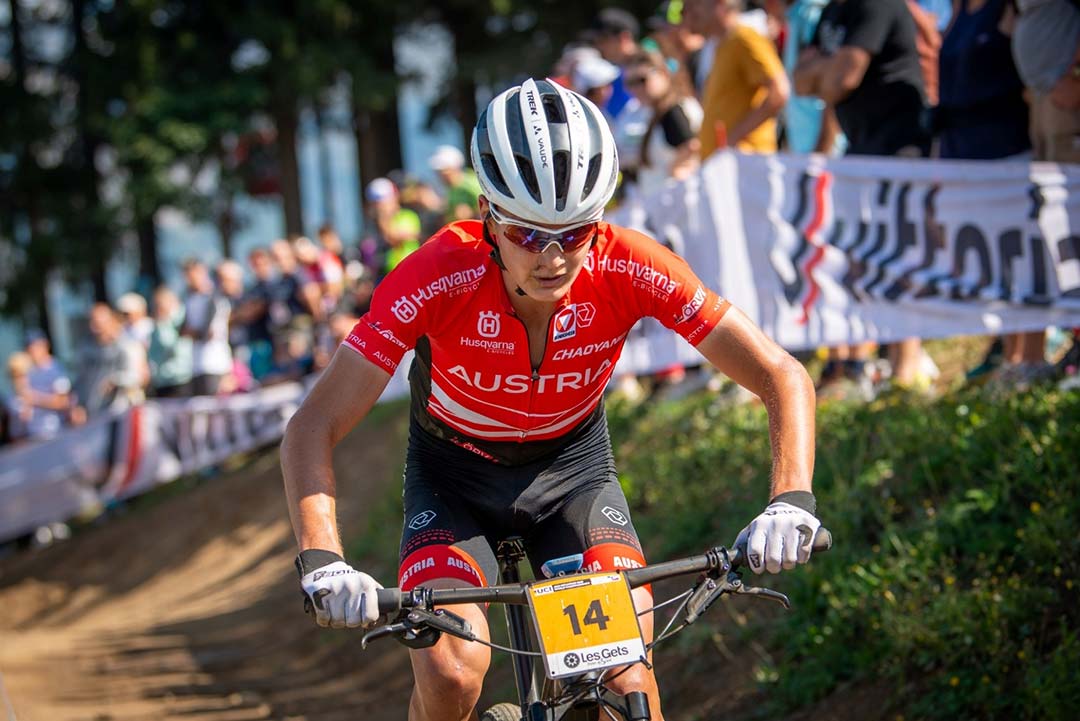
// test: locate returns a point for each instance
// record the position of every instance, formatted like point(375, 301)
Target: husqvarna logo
point(488, 325)
point(565, 324)
point(404, 310)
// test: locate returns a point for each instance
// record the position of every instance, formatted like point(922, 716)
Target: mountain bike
point(568, 633)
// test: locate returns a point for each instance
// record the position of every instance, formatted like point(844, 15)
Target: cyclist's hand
point(783, 535)
point(341, 596)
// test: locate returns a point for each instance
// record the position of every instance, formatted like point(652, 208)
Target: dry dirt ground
point(187, 607)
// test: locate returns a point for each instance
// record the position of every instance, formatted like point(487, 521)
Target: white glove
point(781, 537)
point(342, 596)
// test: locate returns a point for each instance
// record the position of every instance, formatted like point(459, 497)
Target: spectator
point(18, 410)
point(571, 56)
point(254, 310)
point(137, 323)
point(747, 87)
point(807, 127)
point(594, 78)
point(670, 146)
point(206, 322)
point(295, 307)
point(171, 354)
point(397, 229)
point(421, 198)
point(942, 11)
point(331, 265)
point(865, 64)
point(676, 42)
point(49, 390)
point(615, 34)
point(115, 374)
point(1046, 49)
point(231, 285)
point(982, 114)
point(462, 187)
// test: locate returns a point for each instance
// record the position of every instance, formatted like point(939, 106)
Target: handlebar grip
point(389, 601)
point(823, 541)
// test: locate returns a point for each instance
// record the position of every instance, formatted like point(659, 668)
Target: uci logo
point(488, 326)
point(565, 324)
point(404, 310)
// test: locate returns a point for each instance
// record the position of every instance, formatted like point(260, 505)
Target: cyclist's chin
point(548, 289)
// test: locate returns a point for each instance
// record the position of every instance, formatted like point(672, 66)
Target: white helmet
point(546, 155)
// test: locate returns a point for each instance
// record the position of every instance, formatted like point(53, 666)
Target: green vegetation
point(954, 578)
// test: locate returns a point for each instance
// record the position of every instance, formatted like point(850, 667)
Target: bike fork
point(527, 674)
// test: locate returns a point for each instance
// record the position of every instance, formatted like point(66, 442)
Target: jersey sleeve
point(662, 285)
point(399, 313)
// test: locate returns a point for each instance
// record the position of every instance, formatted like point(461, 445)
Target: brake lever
point(441, 620)
point(737, 586)
point(390, 629)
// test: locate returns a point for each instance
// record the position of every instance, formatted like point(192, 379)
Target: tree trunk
point(149, 266)
point(90, 233)
point(285, 118)
point(226, 224)
point(378, 142)
point(465, 108)
point(326, 166)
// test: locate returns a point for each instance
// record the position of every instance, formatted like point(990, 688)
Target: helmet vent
point(590, 177)
point(491, 170)
point(528, 176)
point(562, 178)
point(553, 109)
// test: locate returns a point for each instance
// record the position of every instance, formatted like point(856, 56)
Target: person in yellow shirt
point(747, 87)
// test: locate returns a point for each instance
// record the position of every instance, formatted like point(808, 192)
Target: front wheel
point(502, 712)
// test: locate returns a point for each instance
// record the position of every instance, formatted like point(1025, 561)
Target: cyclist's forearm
point(790, 401)
point(740, 350)
point(310, 488)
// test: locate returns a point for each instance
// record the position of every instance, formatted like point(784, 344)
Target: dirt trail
point(190, 609)
point(187, 607)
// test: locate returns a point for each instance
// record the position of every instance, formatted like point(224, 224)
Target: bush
point(957, 557)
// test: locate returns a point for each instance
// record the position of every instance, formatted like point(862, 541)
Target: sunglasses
point(536, 240)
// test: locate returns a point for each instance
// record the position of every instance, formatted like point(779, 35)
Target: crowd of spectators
point(966, 79)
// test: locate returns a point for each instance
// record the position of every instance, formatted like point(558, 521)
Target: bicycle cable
point(668, 602)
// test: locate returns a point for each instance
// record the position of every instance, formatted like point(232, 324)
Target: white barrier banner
point(823, 252)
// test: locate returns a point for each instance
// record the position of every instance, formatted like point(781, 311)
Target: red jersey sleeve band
point(700, 324)
point(380, 347)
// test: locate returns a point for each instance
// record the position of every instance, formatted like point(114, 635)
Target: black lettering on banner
point(594, 615)
point(1069, 249)
point(1039, 291)
point(1010, 247)
point(794, 288)
point(933, 241)
point(905, 238)
point(857, 264)
point(970, 238)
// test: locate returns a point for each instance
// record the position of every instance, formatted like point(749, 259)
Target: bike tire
point(502, 712)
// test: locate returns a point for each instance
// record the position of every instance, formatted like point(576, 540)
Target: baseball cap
point(446, 157)
point(380, 189)
point(131, 303)
point(33, 336)
point(591, 73)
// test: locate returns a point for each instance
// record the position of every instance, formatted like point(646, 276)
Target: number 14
point(593, 615)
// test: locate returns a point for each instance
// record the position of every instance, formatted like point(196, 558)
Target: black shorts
point(568, 508)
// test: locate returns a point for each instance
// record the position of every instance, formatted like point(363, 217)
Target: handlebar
point(393, 600)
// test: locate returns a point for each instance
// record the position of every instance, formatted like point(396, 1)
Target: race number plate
point(585, 622)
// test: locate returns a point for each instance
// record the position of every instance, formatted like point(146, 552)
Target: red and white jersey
point(472, 380)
